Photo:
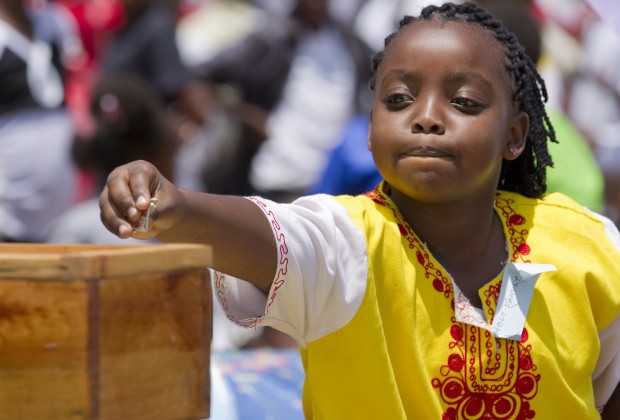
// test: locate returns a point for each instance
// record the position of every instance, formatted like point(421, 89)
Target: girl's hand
point(127, 195)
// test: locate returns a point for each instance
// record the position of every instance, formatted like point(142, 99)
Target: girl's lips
point(426, 151)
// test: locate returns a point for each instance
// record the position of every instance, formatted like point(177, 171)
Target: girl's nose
point(427, 117)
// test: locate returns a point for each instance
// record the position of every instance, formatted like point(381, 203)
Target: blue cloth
point(350, 169)
point(257, 384)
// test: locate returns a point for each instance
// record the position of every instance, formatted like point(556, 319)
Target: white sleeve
point(607, 372)
point(321, 273)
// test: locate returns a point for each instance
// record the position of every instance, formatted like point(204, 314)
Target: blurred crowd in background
point(266, 97)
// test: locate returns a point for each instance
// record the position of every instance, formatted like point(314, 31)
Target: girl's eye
point(396, 100)
point(466, 103)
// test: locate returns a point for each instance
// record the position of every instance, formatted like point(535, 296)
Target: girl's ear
point(519, 127)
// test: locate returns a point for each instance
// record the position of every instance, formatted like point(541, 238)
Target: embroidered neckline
point(515, 233)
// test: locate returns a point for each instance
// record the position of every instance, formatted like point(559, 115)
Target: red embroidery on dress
point(482, 380)
point(219, 287)
point(280, 275)
point(282, 249)
point(483, 377)
point(513, 222)
point(440, 281)
point(491, 295)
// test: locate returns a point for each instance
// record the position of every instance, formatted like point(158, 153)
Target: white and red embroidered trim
point(283, 250)
point(281, 269)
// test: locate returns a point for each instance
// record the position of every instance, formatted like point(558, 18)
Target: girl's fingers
point(142, 180)
point(112, 218)
point(120, 196)
point(126, 197)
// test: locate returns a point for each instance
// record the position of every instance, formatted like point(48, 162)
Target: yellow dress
point(404, 356)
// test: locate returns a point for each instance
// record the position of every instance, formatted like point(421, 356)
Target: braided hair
point(527, 173)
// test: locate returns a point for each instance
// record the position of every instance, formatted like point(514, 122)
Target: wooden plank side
point(104, 332)
point(18, 266)
point(138, 260)
point(54, 262)
point(154, 346)
point(43, 350)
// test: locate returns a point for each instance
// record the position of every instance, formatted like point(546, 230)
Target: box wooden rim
point(85, 261)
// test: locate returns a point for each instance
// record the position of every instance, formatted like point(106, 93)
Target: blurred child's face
point(312, 12)
point(442, 116)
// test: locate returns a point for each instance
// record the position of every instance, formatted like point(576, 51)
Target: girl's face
point(443, 117)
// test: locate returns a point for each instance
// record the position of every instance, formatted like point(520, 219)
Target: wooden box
point(104, 332)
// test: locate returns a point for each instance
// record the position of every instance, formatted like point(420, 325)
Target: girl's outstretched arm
point(239, 233)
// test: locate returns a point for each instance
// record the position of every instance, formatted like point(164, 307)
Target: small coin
point(145, 221)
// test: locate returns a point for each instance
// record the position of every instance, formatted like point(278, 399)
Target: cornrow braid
point(526, 174)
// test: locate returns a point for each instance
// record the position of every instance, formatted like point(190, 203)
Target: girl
point(455, 289)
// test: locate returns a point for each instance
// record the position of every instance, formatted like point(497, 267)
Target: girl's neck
point(466, 238)
point(450, 226)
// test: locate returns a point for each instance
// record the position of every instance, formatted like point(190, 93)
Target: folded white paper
point(515, 298)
